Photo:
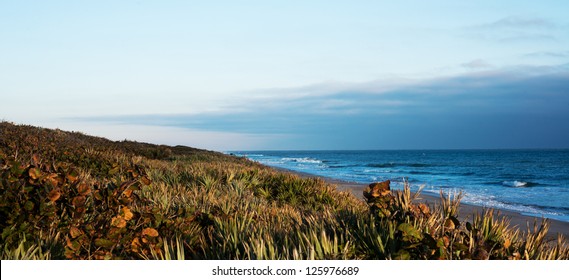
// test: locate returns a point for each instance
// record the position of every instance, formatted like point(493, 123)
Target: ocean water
point(531, 182)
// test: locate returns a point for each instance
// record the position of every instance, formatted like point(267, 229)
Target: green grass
point(65, 195)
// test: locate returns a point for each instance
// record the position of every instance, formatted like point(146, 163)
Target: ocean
point(531, 182)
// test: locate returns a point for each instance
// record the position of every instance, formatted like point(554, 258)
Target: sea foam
point(518, 184)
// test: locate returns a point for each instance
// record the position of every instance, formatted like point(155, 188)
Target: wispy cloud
point(483, 109)
point(516, 29)
point(517, 22)
point(552, 54)
point(477, 64)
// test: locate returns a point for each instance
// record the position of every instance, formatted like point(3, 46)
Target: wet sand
point(466, 211)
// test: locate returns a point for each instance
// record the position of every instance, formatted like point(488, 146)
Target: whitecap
point(303, 160)
point(515, 184)
point(254, 155)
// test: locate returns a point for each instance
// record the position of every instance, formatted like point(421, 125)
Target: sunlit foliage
point(65, 195)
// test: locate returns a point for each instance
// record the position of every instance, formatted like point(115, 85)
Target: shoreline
point(466, 211)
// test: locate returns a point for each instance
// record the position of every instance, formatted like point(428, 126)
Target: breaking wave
point(519, 184)
point(303, 160)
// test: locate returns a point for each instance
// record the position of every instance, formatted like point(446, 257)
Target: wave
point(238, 154)
point(341, 166)
point(513, 184)
point(519, 184)
point(548, 209)
point(421, 173)
point(254, 155)
point(483, 200)
point(392, 164)
point(303, 160)
point(367, 171)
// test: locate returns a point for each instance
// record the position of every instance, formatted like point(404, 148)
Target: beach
point(466, 211)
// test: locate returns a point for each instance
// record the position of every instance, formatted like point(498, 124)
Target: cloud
point(477, 64)
point(547, 55)
point(517, 22)
point(513, 108)
point(515, 29)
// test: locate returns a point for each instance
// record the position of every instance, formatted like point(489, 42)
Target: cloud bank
point(523, 107)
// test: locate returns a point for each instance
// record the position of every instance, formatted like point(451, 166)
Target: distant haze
point(248, 75)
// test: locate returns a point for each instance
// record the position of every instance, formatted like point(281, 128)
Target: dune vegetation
point(66, 195)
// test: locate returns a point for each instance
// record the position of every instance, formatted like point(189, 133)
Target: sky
point(286, 75)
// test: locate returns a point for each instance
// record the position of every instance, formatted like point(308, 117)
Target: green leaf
point(459, 247)
point(105, 243)
point(16, 169)
point(29, 206)
point(114, 170)
point(402, 255)
point(409, 232)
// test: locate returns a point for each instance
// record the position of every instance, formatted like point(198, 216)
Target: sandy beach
point(466, 211)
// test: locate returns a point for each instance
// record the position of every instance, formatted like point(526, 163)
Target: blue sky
point(232, 75)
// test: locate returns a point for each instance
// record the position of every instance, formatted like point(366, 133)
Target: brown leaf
point(78, 201)
point(73, 245)
point(83, 189)
point(72, 176)
point(127, 214)
point(133, 173)
point(34, 173)
point(118, 221)
point(150, 232)
point(446, 241)
point(424, 208)
point(54, 195)
point(507, 243)
point(145, 180)
point(127, 192)
point(452, 223)
point(449, 224)
point(97, 195)
point(75, 232)
point(127, 184)
point(377, 189)
point(135, 245)
point(54, 179)
point(35, 159)
point(68, 243)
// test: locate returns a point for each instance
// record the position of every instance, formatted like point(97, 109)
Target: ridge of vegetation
point(66, 195)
